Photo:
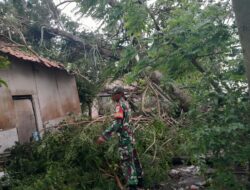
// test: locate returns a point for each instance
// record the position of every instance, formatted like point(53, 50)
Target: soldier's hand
point(100, 140)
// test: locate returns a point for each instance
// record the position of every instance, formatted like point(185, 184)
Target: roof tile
point(15, 51)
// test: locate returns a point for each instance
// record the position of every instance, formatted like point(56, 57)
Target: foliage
point(220, 126)
point(193, 43)
point(70, 159)
point(4, 62)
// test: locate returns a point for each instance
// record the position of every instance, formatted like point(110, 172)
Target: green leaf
point(4, 62)
point(2, 82)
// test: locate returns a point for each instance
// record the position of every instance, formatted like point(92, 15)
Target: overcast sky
point(87, 23)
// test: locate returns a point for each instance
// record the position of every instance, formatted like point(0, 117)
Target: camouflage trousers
point(130, 164)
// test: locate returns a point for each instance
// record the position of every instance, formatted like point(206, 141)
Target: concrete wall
point(8, 139)
point(53, 91)
point(57, 93)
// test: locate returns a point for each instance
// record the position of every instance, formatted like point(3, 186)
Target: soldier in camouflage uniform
point(130, 163)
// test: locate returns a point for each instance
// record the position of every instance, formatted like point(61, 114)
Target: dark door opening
point(25, 117)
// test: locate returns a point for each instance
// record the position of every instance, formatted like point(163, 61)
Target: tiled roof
point(15, 51)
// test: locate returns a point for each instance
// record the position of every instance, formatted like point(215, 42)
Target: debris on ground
point(185, 178)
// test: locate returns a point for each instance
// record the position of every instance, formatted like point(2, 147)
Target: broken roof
point(15, 51)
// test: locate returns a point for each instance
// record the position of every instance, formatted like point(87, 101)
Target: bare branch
point(157, 26)
point(78, 73)
point(107, 53)
point(157, 98)
point(143, 100)
point(55, 13)
point(151, 144)
point(69, 1)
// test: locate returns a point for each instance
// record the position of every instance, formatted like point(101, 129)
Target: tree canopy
point(194, 44)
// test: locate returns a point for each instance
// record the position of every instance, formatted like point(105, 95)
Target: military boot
point(140, 183)
point(132, 187)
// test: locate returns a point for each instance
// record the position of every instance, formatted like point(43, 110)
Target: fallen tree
point(70, 159)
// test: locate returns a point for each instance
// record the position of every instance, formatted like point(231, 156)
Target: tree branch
point(78, 73)
point(69, 1)
point(107, 53)
point(202, 70)
point(157, 26)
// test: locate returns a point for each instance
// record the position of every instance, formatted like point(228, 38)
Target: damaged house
point(40, 92)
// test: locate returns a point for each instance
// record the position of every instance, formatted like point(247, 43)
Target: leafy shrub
point(69, 159)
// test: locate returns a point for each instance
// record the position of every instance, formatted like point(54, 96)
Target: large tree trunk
point(242, 12)
point(105, 50)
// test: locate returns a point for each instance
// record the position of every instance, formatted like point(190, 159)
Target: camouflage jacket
point(121, 125)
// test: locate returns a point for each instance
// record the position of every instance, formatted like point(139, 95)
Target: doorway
point(25, 117)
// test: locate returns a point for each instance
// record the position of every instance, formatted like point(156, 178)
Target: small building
point(103, 104)
point(39, 92)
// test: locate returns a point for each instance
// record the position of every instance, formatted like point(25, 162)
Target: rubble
point(186, 178)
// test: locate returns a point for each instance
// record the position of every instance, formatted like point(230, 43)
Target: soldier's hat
point(117, 90)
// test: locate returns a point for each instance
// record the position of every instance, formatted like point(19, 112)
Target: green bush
point(69, 159)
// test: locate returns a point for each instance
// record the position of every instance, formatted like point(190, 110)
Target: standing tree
point(242, 13)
